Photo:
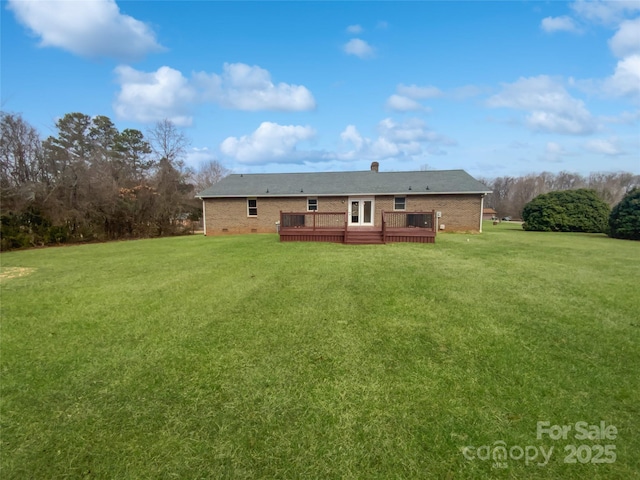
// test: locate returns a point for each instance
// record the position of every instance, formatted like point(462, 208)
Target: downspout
point(204, 217)
point(481, 210)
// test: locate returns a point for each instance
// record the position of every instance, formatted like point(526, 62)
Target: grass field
point(243, 357)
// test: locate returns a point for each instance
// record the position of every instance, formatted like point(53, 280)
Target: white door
point(361, 211)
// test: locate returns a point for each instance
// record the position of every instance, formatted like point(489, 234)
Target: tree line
point(511, 194)
point(90, 181)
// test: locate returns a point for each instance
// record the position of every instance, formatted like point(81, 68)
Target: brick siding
point(230, 215)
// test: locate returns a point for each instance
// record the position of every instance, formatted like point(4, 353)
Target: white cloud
point(409, 139)
point(569, 123)
point(624, 118)
point(553, 153)
point(605, 11)
point(551, 108)
point(555, 148)
point(245, 87)
point(355, 29)
point(352, 136)
point(625, 82)
point(197, 156)
point(625, 44)
point(382, 25)
point(269, 143)
point(602, 146)
point(149, 97)
point(419, 93)
point(407, 96)
point(86, 28)
point(273, 143)
point(167, 93)
point(559, 24)
point(362, 148)
point(411, 130)
point(359, 48)
point(400, 103)
point(626, 41)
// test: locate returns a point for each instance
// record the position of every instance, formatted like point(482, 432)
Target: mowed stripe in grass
point(244, 357)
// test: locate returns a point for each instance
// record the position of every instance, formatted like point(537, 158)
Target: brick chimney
point(374, 166)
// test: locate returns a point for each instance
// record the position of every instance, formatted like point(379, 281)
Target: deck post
point(346, 224)
point(384, 228)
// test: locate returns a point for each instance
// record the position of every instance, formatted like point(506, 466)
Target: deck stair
point(364, 237)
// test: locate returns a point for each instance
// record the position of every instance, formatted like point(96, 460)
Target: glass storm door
point(361, 211)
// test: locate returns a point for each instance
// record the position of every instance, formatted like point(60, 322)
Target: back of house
point(252, 203)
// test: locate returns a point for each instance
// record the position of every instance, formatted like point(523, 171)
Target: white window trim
point(399, 209)
point(248, 214)
point(373, 211)
point(312, 198)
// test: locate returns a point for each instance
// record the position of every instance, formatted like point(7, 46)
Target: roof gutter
point(277, 195)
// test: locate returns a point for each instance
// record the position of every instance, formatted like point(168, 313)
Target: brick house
point(253, 203)
point(489, 214)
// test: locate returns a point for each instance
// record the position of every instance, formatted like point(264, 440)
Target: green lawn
point(244, 357)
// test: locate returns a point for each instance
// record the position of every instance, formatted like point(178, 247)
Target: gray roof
point(344, 183)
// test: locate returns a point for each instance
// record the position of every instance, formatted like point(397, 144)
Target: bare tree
point(208, 173)
point(167, 142)
point(21, 161)
point(511, 194)
point(612, 187)
point(568, 181)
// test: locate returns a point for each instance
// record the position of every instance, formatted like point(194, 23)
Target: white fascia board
point(280, 195)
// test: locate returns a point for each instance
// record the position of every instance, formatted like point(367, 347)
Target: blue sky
point(495, 88)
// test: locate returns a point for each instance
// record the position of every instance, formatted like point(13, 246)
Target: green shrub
point(566, 211)
point(624, 221)
point(29, 229)
point(57, 234)
point(11, 234)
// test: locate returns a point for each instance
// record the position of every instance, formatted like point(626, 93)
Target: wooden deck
point(397, 227)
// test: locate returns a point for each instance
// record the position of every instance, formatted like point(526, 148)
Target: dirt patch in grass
point(7, 273)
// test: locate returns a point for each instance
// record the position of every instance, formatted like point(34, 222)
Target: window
point(312, 204)
point(400, 203)
point(252, 207)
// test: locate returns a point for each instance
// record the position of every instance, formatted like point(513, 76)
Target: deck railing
point(394, 220)
point(409, 220)
point(313, 220)
point(396, 226)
